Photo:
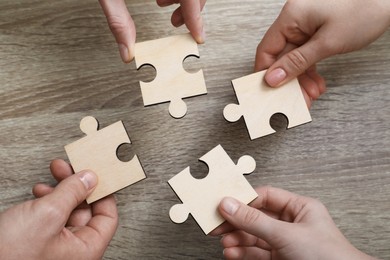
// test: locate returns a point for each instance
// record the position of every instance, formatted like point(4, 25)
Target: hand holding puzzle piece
point(97, 152)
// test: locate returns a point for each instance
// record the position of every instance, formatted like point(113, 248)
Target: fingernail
point(89, 179)
point(230, 205)
point(275, 77)
point(131, 51)
point(124, 52)
point(202, 36)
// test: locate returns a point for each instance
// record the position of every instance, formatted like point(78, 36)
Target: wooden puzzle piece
point(258, 102)
point(98, 152)
point(172, 82)
point(201, 197)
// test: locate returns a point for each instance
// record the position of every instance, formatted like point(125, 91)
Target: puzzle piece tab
point(98, 152)
point(201, 197)
point(258, 102)
point(172, 82)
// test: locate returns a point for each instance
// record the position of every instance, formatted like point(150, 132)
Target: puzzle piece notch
point(97, 152)
point(232, 112)
point(89, 125)
point(177, 108)
point(172, 82)
point(179, 213)
point(201, 197)
point(258, 102)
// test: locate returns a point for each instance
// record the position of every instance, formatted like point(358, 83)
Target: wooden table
point(59, 63)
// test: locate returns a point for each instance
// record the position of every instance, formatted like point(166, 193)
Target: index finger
point(121, 25)
point(278, 39)
point(191, 11)
point(270, 47)
point(283, 203)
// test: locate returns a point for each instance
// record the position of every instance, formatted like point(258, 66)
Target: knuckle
point(317, 205)
point(294, 6)
point(251, 217)
point(117, 24)
point(51, 211)
point(328, 45)
point(298, 60)
point(74, 191)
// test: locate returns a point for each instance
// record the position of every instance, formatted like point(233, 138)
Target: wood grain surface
point(59, 63)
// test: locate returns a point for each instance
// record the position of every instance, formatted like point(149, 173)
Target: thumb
point(252, 221)
point(295, 62)
point(122, 27)
point(69, 193)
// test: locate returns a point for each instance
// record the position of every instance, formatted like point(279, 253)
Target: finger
point(60, 169)
point(68, 195)
point(282, 202)
point(243, 239)
point(258, 203)
point(233, 253)
point(307, 98)
point(273, 199)
point(222, 229)
point(311, 46)
point(238, 238)
point(163, 3)
point(252, 221)
point(309, 85)
point(320, 81)
point(312, 82)
point(103, 224)
point(177, 18)
point(80, 216)
point(297, 61)
point(121, 25)
point(271, 46)
point(39, 190)
point(189, 13)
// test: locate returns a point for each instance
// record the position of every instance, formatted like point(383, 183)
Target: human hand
point(308, 31)
point(122, 25)
point(188, 13)
point(281, 225)
point(59, 225)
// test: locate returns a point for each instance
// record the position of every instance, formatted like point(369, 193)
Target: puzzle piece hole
point(279, 122)
point(199, 170)
point(147, 72)
point(125, 153)
point(192, 64)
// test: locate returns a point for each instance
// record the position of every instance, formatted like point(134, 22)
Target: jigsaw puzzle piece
point(172, 82)
point(258, 102)
point(201, 197)
point(97, 151)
